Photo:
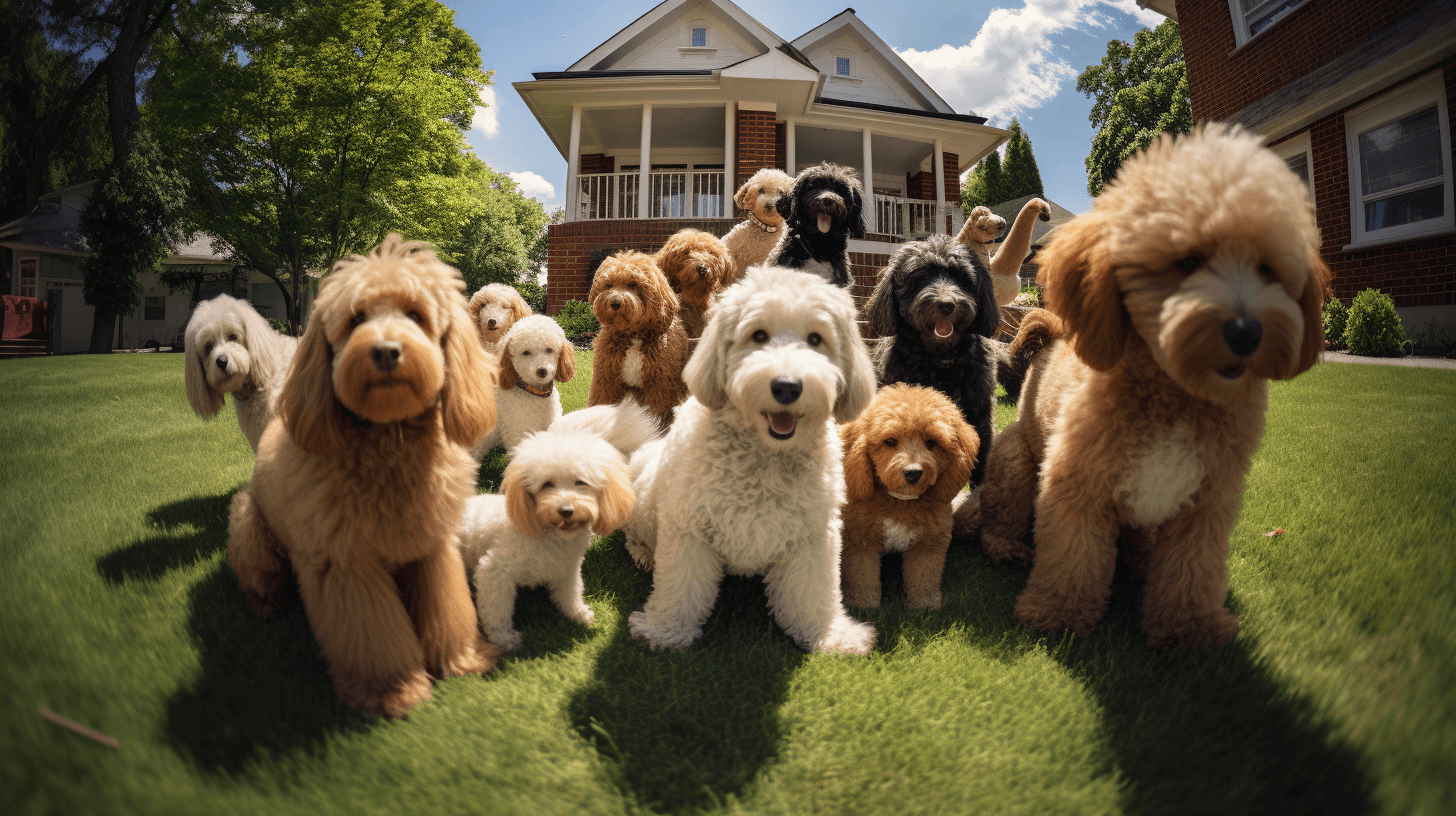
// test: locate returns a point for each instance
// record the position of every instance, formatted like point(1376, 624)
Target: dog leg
point(1187, 579)
point(254, 554)
point(495, 603)
point(803, 593)
point(684, 588)
point(1076, 552)
point(439, 602)
point(924, 563)
point(1006, 498)
point(861, 559)
point(567, 594)
point(366, 636)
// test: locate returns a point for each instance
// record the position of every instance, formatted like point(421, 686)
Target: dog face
point(763, 193)
point(982, 226)
point(389, 339)
point(826, 199)
point(1204, 248)
point(534, 352)
point(495, 308)
point(937, 289)
point(567, 482)
point(631, 294)
point(783, 347)
point(229, 348)
point(695, 263)
point(913, 441)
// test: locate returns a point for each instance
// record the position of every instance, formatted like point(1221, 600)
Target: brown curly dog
point(642, 348)
point(695, 263)
point(360, 483)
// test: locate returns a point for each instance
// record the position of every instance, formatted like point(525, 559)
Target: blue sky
point(1000, 58)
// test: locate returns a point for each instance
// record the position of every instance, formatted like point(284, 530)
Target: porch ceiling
point(618, 129)
point(891, 155)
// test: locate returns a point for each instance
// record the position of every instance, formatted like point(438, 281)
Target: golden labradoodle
point(494, 309)
point(696, 264)
point(751, 240)
point(1194, 281)
point(642, 348)
point(360, 483)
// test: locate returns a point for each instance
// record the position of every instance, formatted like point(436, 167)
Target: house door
point(72, 316)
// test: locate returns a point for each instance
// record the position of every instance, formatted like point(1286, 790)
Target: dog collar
point(946, 363)
point(760, 224)
point(546, 392)
point(895, 495)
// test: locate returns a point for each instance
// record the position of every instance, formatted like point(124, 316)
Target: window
point(28, 268)
point(841, 66)
point(1297, 154)
point(1399, 152)
point(155, 308)
point(699, 38)
point(1253, 16)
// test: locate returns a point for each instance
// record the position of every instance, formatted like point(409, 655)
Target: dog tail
point(626, 426)
point(1038, 330)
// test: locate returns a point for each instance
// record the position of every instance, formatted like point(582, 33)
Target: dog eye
point(548, 351)
point(815, 339)
point(930, 444)
point(356, 319)
point(525, 354)
point(760, 336)
point(548, 485)
point(631, 284)
point(1266, 271)
point(580, 483)
point(415, 316)
point(890, 443)
point(232, 338)
point(1190, 263)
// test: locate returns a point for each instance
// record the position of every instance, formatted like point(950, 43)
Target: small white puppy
point(231, 349)
point(534, 355)
point(559, 487)
point(749, 479)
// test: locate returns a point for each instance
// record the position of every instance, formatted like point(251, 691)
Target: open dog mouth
point(944, 329)
point(782, 424)
point(1233, 371)
point(825, 222)
point(570, 526)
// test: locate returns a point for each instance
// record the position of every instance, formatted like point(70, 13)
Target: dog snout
point(616, 304)
point(491, 323)
point(385, 355)
point(565, 511)
point(912, 474)
point(786, 389)
point(945, 306)
point(702, 270)
point(222, 362)
point(1243, 335)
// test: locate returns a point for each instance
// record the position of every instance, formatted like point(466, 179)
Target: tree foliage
point(983, 186)
point(1019, 174)
point(1138, 92)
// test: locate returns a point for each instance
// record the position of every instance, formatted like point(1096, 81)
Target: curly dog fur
point(824, 209)
point(750, 241)
point(494, 309)
point(534, 355)
point(935, 311)
point(642, 347)
point(905, 458)
point(231, 349)
point(360, 483)
point(696, 264)
point(1194, 281)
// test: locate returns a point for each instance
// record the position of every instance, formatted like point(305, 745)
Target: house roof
point(1167, 8)
point(657, 20)
point(849, 26)
point(52, 227)
point(1039, 228)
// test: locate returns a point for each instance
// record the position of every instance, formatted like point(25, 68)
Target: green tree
point(312, 129)
point(1138, 92)
point(983, 185)
point(1019, 175)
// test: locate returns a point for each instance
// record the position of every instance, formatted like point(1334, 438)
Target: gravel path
point(1407, 362)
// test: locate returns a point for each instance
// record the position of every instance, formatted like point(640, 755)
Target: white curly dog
point(534, 356)
point(749, 480)
point(231, 349)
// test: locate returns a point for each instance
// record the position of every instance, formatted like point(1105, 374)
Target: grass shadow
point(189, 531)
point(488, 479)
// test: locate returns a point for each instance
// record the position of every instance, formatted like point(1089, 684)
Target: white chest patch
point(632, 365)
point(898, 538)
point(1165, 479)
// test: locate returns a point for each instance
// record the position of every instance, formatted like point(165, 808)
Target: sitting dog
point(1194, 281)
point(231, 349)
point(905, 458)
point(642, 347)
point(935, 312)
point(494, 309)
point(360, 482)
point(534, 355)
point(749, 480)
point(750, 241)
point(824, 209)
point(696, 264)
point(560, 487)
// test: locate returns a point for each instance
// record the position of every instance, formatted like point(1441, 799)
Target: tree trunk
point(103, 330)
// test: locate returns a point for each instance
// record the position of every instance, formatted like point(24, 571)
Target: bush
point(1336, 315)
point(1432, 340)
point(1373, 328)
point(576, 318)
point(533, 293)
point(1030, 295)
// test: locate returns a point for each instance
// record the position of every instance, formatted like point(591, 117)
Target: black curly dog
point(821, 212)
point(934, 309)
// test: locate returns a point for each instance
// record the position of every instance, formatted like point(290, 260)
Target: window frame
point(147, 307)
point(1393, 106)
point(1241, 20)
point(20, 283)
point(1294, 146)
point(848, 66)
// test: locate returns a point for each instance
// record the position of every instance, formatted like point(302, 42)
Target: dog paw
point(1214, 629)
point(583, 614)
point(506, 638)
point(659, 638)
point(478, 658)
point(641, 555)
point(1046, 612)
point(385, 698)
point(1005, 550)
point(847, 636)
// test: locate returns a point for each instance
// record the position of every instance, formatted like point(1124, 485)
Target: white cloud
point(1008, 68)
point(486, 119)
point(533, 185)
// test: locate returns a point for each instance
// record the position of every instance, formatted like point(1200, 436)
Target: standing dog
point(359, 485)
point(642, 347)
point(825, 206)
point(494, 309)
point(534, 356)
point(1194, 281)
point(754, 237)
point(749, 480)
point(231, 349)
point(696, 264)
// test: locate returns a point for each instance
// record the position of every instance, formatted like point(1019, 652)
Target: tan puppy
point(1194, 281)
point(360, 483)
point(641, 348)
point(750, 241)
point(493, 310)
point(695, 263)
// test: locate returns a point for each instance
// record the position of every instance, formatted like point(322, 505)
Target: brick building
point(1358, 98)
point(694, 96)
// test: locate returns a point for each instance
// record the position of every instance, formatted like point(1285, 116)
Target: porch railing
point(671, 194)
point(913, 218)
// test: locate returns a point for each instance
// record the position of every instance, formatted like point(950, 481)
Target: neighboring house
point(1359, 98)
point(47, 250)
point(695, 96)
point(1039, 229)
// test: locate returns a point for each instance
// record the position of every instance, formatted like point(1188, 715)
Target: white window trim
point(1290, 148)
point(15, 278)
point(1241, 25)
point(710, 40)
point(835, 76)
point(1378, 113)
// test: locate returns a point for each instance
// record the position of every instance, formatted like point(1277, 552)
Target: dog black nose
point(222, 362)
point(490, 324)
point(702, 270)
point(945, 306)
point(1243, 335)
point(385, 355)
point(912, 475)
point(786, 389)
point(565, 512)
point(541, 372)
point(616, 304)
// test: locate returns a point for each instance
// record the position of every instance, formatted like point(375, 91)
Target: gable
point(869, 80)
point(659, 39)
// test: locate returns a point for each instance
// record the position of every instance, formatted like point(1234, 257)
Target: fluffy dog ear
point(565, 361)
point(617, 499)
point(310, 412)
point(520, 504)
point(790, 201)
point(962, 460)
point(706, 372)
point(506, 367)
point(744, 196)
point(662, 300)
point(856, 218)
point(883, 309)
point(519, 307)
point(205, 400)
point(467, 402)
point(859, 468)
point(1078, 285)
point(268, 350)
point(859, 373)
point(1311, 305)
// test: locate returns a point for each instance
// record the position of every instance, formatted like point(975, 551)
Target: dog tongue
point(824, 222)
point(944, 328)
point(783, 422)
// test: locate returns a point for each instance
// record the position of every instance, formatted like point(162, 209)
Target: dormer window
point(699, 38)
point(841, 66)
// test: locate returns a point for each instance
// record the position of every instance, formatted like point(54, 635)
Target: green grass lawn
point(119, 611)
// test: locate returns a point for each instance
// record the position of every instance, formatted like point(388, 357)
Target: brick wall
point(1222, 84)
point(920, 185)
point(570, 248)
point(781, 145)
point(951, 162)
point(864, 270)
point(756, 144)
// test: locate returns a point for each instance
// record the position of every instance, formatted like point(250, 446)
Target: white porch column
point(790, 158)
point(730, 157)
point(869, 185)
point(644, 195)
point(573, 167)
point(940, 212)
